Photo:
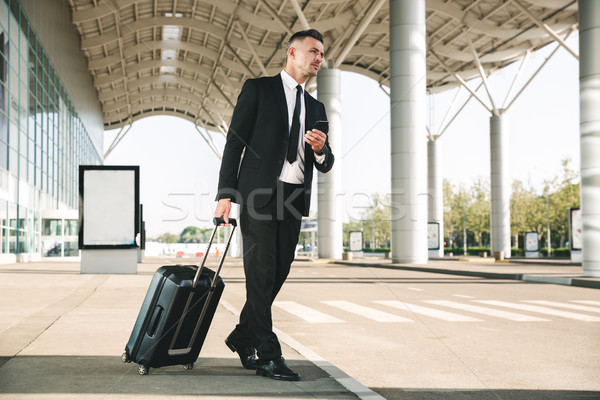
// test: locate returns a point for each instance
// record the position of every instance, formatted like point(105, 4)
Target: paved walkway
point(555, 271)
point(62, 334)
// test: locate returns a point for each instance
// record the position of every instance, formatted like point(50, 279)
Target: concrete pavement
point(555, 271)
point(62, 334)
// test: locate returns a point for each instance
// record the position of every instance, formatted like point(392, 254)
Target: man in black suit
point(271, 126)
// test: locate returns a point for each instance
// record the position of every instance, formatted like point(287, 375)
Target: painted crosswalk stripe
point(590, 302)
point(430, 312)
point(306, 313)
point(367, 312)
point(541, 310)
point(565, 305)
point(485, 310)
point(463, 296)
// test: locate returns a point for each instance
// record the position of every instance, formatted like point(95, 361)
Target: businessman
point(272, 126)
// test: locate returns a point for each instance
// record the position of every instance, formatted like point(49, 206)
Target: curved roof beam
point(474, 24)
point(102, 9)
point(114, 94)
point(140, 97)
point(555, 4)
point(169, 44)
point(158, 22)
point(150, 65)
point(131, 51)
point(206, 43)
point(152, 106)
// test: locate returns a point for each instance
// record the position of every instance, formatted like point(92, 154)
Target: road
point(416, 335)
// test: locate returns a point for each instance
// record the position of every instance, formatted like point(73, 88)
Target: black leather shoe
point(276, 369)
point(247, 354)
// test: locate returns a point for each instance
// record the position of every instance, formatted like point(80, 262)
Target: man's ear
point(292, 52)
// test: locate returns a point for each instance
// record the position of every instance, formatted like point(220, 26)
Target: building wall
point(53, 24)
point(43, 139)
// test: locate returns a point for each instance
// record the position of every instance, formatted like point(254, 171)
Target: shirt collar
point(290, 82)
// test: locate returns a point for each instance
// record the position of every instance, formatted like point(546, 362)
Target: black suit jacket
point(260, 129)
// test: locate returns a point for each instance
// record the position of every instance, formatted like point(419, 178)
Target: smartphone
point(323, 126)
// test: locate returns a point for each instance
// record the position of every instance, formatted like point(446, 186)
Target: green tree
point(167, 238)
point(527, 211)
point(478, 210)
point(564, 195)
point(192, 234)
point(374, 222)
point(456, 200)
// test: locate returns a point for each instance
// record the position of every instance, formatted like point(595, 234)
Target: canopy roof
point(189, 58)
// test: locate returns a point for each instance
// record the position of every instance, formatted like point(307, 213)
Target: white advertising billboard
point(109, 206)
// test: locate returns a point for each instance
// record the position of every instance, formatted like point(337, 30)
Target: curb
point(591, 284)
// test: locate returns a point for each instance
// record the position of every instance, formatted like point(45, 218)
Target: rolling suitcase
point(176, 313)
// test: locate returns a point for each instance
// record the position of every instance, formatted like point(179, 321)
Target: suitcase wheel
point(125, 358)
point(143, 370)
point(188, 366)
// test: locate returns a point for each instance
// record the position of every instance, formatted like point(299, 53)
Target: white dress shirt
point(294, 172)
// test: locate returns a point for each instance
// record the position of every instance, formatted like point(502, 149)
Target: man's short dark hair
point(313, 33)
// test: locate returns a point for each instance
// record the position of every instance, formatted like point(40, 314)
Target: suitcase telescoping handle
point(217, 221)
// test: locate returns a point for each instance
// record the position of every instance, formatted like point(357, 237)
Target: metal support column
point(589, 125)
point(436, 198)
point(330, 218)
point(500, 203)
point(408, 139)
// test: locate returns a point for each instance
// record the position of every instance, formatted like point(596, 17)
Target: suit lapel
point(309, 121)
point(280, 100)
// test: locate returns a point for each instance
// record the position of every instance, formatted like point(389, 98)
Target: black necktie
point(295, 131)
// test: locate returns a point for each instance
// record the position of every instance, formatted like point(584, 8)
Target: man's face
point(307, 56)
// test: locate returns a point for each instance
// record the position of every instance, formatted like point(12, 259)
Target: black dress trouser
point(269, 235)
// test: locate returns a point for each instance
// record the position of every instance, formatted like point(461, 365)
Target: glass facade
point(42, 139)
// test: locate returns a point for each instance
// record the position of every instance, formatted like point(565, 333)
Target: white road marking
point(541, 310)
point(591, 302)
point(354, 386)
point(565, 305)
point(430, 312)
point(415, 289)
point(371, 313)
point(485, 310)
point(463, 296)
point(306, 313)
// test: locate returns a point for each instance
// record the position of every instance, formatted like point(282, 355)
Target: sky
point(179, 172)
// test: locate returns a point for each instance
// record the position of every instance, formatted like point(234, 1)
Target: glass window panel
point(23, 143)
point(3, 127)
point(31, 174)
point(13, 161)
point(71, 227)
point(23, 167)
point(52, 227)
point(3, 155)
point(13, 138)
point(71, 249)
point(13, 54)
point(3, 14)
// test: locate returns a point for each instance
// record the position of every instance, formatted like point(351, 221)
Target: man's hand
point(223, 209)
point(316, 139)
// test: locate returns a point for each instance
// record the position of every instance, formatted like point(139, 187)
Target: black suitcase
point(176, 313)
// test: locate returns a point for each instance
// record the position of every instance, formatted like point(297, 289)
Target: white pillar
point(500, 202)
point(408, 140)
point(330, 229)
point(436, 198)
point(589, 126)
